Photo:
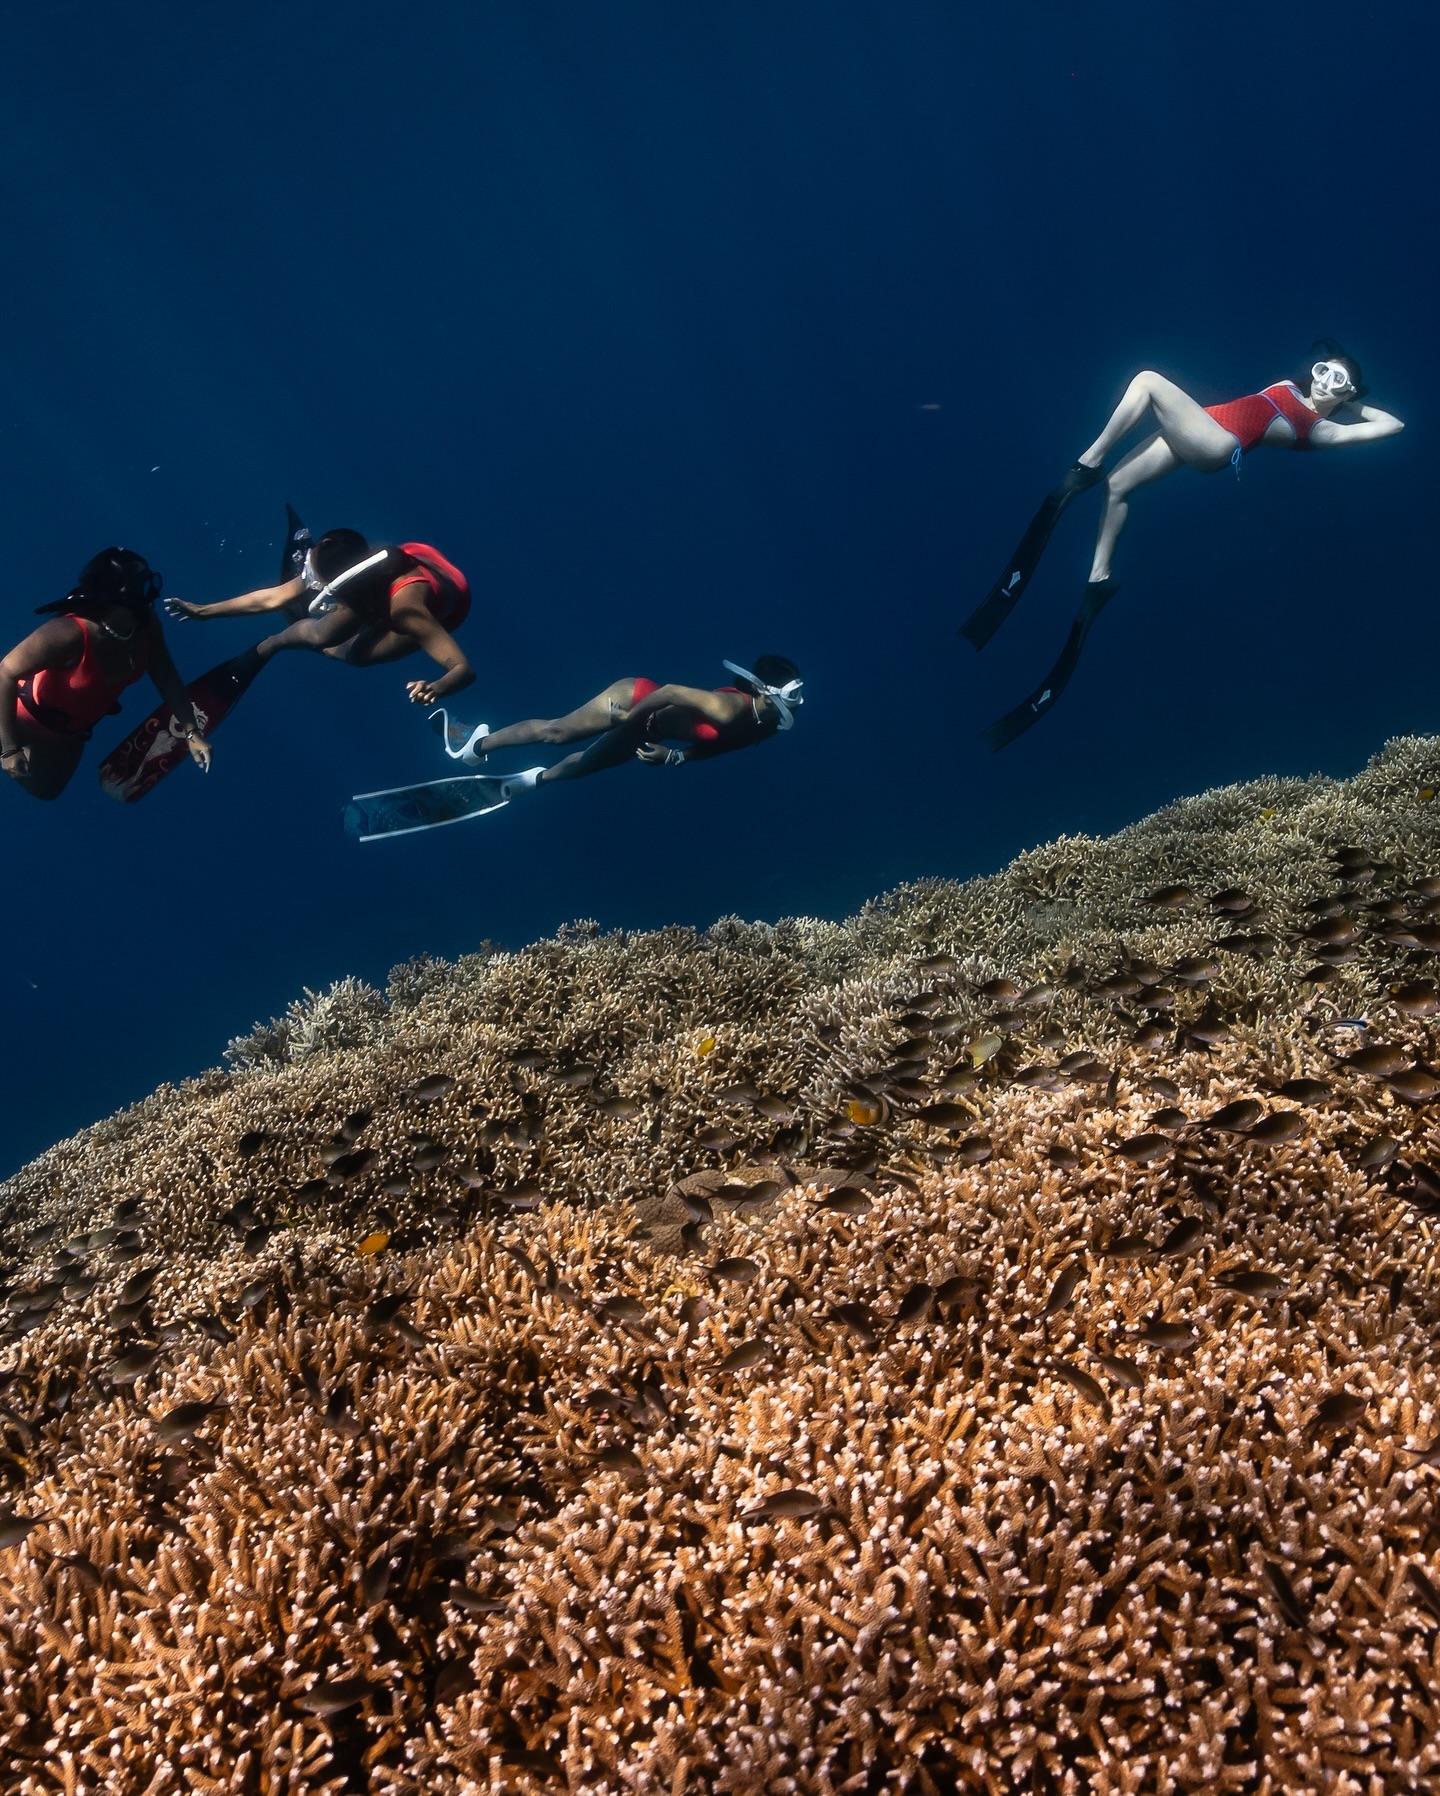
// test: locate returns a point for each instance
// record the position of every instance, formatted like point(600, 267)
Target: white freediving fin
point(405, 810)
point(460, 739)
point(513, 784)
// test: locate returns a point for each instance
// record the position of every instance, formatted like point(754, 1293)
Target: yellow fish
point(376, 1243)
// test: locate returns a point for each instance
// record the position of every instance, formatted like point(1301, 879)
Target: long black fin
point(1098, 595)
point(1007, 591)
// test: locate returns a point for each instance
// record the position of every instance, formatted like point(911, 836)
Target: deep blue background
point(635, 310)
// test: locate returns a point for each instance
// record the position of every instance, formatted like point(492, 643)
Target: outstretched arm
point(439, 645)
point(1370, 425)
point(248, 604)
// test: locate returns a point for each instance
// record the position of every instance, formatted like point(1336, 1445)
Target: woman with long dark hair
point(58, 683)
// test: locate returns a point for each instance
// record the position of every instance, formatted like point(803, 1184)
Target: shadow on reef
point(985, 1344)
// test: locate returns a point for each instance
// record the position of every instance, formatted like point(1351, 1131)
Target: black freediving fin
point(1098, 595)
point(1005, 594)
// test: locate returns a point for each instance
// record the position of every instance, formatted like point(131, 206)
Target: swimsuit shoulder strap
point(1291, 405)
point(87, 636)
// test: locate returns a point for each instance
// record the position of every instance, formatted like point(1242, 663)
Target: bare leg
point(372, 647)
point(1152, 461)
point(53, 760)
point(601, 713)
point(613, 749)
point(1191, 433)
point(318, 633)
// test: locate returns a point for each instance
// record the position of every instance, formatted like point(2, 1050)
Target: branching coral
point(988, 1344)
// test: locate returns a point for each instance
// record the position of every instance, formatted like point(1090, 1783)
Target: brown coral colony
point(986, 1344)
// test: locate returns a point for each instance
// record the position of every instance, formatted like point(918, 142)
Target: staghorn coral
point(986, 1344)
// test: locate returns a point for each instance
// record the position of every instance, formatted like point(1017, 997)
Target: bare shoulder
point(59, 643)
point(61, 636)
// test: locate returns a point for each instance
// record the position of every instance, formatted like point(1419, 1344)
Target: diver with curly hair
point(1321, 409)
point(58, 683)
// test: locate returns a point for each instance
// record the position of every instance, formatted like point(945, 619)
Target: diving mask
point(1330, 380)
point(786, 699)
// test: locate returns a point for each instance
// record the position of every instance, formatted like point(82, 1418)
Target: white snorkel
point(785, 698)
point(324, 600)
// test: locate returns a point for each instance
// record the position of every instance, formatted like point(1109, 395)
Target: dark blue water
point(636, 312)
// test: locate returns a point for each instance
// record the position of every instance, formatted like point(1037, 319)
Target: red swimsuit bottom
point(699, 729)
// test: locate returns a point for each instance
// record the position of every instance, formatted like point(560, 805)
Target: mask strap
point(784, 698)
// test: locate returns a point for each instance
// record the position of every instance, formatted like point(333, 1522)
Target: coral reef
point(987, 1344)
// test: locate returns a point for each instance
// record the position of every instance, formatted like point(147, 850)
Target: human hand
point(181, 608)
point(653, 754)
point(16, 761)
point(422, 692)
point(201, 752)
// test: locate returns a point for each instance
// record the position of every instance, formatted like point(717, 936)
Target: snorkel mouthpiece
point(786, 699)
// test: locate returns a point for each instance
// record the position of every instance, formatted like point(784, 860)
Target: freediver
point(636, 719)
point(58, 683)
point(1323, 409)
point(367, 606)
point(632, 719)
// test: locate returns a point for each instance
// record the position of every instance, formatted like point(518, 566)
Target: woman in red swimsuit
point(1288, 415)
point(367, 606)
point(58, 683)
point(636, 719)
point(1324, 409)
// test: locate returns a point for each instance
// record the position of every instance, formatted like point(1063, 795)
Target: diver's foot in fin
point(513, 784)
point(1098, 594)
point(1079, 479)
point(462, 741)
point(1005, 594)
